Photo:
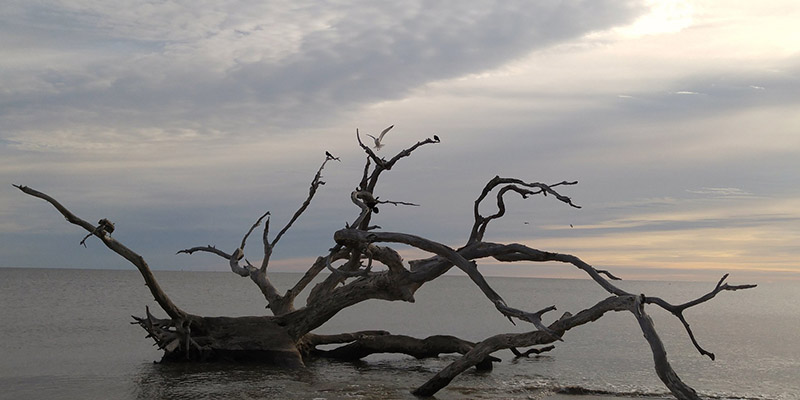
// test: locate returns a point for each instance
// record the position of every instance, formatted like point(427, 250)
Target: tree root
point(240, 339)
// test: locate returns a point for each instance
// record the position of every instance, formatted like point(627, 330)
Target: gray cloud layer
point(184, 121)
point(205, 65)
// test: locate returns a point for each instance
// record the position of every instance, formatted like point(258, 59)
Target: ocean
point(66, 334)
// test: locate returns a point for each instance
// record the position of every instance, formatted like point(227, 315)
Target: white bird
point(378, 139)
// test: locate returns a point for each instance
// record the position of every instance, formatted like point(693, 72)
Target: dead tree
point(286, 337)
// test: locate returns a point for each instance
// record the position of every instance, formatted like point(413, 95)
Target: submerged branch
point(367, 344)
point(510, 340)
point(519, 354)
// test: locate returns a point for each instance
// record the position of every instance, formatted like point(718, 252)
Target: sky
point(183, 121)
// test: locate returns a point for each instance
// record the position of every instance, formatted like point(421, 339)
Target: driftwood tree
point(286, 337)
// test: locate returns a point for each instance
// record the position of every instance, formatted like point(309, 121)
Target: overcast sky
point(184, 121)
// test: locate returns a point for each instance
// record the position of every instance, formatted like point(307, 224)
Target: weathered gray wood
point(507, 341)
point(429, 347)
point(364, 268)
point(138, 261)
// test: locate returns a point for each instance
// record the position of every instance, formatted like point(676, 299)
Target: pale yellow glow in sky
point(666, 16)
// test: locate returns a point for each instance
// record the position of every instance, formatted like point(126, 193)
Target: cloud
point(177, 65)
point(183, 122)
point(721, 192)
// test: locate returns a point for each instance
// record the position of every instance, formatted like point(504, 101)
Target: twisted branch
point(518, 186)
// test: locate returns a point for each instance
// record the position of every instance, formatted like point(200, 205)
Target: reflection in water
point(221, 381)
point(389, 379)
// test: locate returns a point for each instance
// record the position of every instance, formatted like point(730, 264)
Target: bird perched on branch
point(331, 157)
point(105, 225)
point(370, 201)
point(378, 139)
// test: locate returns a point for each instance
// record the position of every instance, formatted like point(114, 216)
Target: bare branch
point(518, 252)
point(677, 310)
point(357, 197)
point(325, 287)
point(208, 249)
point(383, 165)
point(432, 346)
point(315, 184)
point(307, 278)
point(252, 228)
point(354, 238)
point(370, 154)
point(534, 318)
point(518, 186)
point(102, 225)
point(608, 274)
point(509, 340)
point(233, 259)
point(314, 339)
point(138, 261)
point(396, 203)
point(363, 184)
point(664, 370)
point(277, 303)
point(518, 354)
point(349, 273)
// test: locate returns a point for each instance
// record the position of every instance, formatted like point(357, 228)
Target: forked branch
point(277, 303)
point(677, 310)
point(368, 183)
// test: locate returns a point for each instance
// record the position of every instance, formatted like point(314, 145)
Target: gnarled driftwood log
point(368, 268)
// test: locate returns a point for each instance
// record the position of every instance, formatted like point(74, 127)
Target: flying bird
point(378, 139)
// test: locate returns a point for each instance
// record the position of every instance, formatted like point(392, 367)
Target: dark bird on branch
point(331, 157)
point(378, 139)
point(436, 138)
point(370, 201)
point(105, 225)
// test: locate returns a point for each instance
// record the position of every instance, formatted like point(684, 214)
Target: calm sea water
point(65, 334)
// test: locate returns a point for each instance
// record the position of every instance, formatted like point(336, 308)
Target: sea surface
point(66, 334)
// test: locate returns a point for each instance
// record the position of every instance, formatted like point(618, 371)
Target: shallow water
point(66, 335)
